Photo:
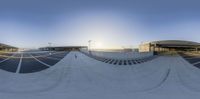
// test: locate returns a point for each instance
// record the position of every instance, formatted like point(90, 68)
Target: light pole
point(89, 46)
point(50, 47)
point(50, 44)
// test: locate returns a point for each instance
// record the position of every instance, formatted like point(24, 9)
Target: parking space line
point(6, 59)
point(40, 61)
point(47, 54)
point(20, 63)
point(192, 58)
point(53, 58)
point(196, 63)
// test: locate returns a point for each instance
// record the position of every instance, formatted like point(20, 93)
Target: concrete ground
point(83, 77)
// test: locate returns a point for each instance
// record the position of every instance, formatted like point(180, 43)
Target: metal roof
point(176, 43)
point(66, 47)
point(6, 46)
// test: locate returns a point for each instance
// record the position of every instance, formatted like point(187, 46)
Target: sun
point(98, 45)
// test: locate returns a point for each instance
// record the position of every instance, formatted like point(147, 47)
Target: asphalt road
point(194, 59)
point(29, 62)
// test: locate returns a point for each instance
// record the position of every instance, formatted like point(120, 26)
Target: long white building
point(169, 45)
point(4, 47)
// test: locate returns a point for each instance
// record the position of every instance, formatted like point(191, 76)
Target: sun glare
point(98, 45)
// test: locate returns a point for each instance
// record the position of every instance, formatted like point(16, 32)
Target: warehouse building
point(169, 45)
point(62, 48)
point(4, 47)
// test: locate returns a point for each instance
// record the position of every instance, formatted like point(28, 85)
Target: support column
point(197, 50)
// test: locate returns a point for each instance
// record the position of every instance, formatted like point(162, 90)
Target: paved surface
point(29, 62)
point(121, 62)
point(194, 59)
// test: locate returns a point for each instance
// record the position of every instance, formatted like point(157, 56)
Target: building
point(62, 48)
point(169, 45)
point(4, 47)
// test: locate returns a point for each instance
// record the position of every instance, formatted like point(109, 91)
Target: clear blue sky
point(113, 23)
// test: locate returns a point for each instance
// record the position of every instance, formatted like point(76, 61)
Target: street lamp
point(50, 44)
point(50, 47)
point(89, 46)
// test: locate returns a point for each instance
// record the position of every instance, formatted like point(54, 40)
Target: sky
point(108, 23)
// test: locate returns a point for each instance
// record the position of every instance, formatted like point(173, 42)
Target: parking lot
point(194, 59)
point(29, 62)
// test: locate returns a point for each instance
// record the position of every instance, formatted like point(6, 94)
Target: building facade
point(62, 48)
point(169, 45)
point(7, 48)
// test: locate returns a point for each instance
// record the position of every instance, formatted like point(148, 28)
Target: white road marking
point(192, 58)
point(20, 63)
point(6, 59)
point(196, 63)
point(47, 54)
point(40, 61)
point(53, 58)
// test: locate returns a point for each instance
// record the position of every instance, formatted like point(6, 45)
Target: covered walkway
point(4, 47)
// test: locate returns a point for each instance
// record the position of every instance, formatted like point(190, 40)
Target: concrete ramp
point(87, 73)
point(78, 76)
point(189, 75)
